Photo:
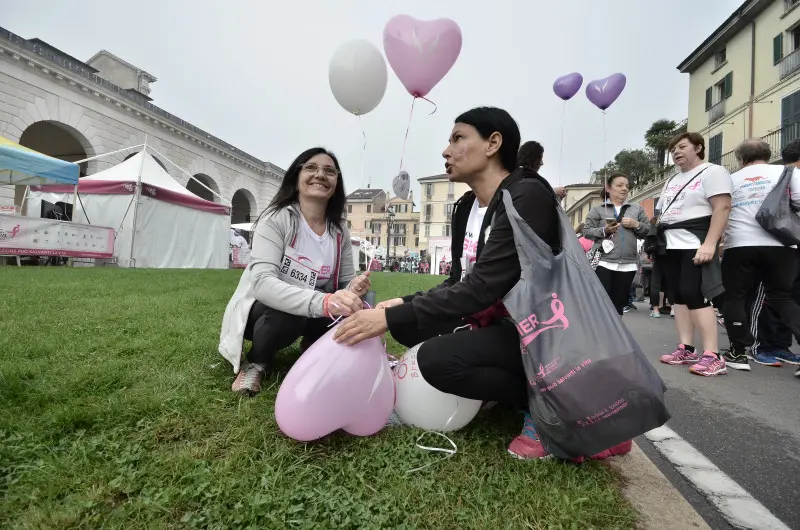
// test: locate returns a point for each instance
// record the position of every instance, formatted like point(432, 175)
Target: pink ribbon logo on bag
point(529, 328)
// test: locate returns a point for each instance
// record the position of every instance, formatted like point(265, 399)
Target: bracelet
point(325, 306)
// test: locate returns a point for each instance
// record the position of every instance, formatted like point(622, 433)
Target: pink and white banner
point(30, 236)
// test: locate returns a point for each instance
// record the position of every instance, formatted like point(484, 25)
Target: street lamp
point(389, 222)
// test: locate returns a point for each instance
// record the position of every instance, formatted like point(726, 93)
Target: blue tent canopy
point(23, 166)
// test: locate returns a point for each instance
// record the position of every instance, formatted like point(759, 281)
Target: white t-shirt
point(471, 237)
point(693, 201)
point(317, 252)
point(751, 185)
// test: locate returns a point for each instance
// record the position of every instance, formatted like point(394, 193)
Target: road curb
point(657, 503)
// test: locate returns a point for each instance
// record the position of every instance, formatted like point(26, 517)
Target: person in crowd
point(470, 348)
point(695, 205)
point(301, 275)
point(585, 243)
point(753, 255)
point(531, 156)
point(615, 227)
point(659, 305)
point(773, 339)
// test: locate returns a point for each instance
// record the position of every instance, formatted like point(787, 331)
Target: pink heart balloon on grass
point(421, 52)
point(332, 387)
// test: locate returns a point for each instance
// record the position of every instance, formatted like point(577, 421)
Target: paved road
point(746, 423)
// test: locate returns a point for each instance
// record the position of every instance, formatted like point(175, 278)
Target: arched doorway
point(58, 140)
point(160, 163)
point(243, 207)
point(198, 189)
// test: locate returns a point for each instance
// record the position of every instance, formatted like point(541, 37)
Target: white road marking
point(737, 506)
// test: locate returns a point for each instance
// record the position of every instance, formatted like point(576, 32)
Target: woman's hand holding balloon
point(343, 303)
point(360, 284)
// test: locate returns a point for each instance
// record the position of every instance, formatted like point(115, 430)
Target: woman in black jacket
point(484, 362)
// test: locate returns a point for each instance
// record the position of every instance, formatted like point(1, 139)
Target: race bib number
point(298, 270)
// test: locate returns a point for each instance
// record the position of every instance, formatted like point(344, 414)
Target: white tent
point(168, 227)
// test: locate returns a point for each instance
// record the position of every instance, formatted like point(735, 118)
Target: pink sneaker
point(620, 449)
point(709, 365)
point(680, 356)
point(526, 448)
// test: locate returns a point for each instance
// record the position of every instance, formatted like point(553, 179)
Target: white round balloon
point(419, 404)
point(358, 76)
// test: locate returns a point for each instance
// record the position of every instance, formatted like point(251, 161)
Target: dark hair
point(579, 230)
point(791, 152)
point(753, 150)
point(530, 155)
point(488, 120)
point(289, 194)
point(694, 138)
point(614, 176)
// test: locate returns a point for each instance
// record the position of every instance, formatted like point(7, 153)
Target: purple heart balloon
point(568, 85)
point(421, 52)
point(604, 92)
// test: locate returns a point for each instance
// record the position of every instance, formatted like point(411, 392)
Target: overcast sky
point(255, 73)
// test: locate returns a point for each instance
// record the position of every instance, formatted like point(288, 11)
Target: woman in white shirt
point(695, 205)
point(301, 274)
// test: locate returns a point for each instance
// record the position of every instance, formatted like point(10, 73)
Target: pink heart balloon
point(333, 386)
point(421, 52)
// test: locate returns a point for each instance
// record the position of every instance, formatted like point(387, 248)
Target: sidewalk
point(657, 503)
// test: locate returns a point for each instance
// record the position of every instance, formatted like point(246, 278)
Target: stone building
point(69, 109)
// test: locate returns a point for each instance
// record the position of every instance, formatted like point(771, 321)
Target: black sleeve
point(497, 269)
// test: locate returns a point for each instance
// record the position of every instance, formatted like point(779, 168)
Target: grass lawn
point(116, 412)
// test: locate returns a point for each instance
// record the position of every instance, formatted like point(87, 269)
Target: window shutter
point(777, 49)
point(708, 98)
point(728, 90)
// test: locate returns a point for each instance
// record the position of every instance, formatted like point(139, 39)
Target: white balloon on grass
point(419, 404)
point(357, 74)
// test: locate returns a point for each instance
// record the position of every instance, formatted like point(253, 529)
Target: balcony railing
point(777, 140)
point(789, 64)
point(717, 112)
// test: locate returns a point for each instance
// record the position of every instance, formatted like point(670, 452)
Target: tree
point(637, 164)
point(658, 136)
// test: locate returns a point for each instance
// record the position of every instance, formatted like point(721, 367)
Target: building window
point(448, 211)
point(429, 191)
point(416, 228)
point(451, 191)
point(399, 241)
point(366, 225)
point(790, 118)
point(777, 48)
point(369, 208)
point(416, 241)
point(720, 58)
point(428, 212)
point(349, 208)
point(715, 149)
point(427, 230)
point(446, 230)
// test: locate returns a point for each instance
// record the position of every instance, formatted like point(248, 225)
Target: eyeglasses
point(328, 171)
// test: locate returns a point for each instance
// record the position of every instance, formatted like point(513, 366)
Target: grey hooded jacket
point(625, 249)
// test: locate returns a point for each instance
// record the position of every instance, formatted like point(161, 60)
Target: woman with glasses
point(301, 274)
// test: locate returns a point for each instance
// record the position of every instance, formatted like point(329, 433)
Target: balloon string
point(405, 140)
point(435, 106)
point(448, 452)
point(363, 148)
point(605, 136)
point(561, 154)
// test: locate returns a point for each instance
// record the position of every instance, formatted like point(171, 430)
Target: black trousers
point(618, 286)
point(271, 330)
point(481, 363)
point(771, 333)
point(682, 279)
point(742, 270)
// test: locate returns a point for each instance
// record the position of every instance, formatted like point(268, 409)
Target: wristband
point(325, 306)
